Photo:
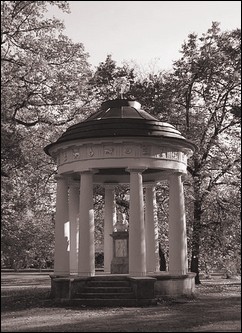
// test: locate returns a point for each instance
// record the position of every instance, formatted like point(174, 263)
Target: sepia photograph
point(121, 166)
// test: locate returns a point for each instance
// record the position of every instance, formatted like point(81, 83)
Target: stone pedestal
point(120, 261)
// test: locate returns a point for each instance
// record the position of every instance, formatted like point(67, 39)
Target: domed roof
point(121, 108)
point(120, 118)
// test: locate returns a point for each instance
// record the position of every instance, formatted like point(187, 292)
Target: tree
point(110, 81)
point(221, 234)
point(201, 97)
point(43, 71)
point(207, 87)
point(44, 88)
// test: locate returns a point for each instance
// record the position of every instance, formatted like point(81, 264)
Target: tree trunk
point(195, 267)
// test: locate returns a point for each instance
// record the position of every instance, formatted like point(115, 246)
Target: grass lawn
point(26, 307)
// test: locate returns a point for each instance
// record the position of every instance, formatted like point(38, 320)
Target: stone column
point(109, 221)
point(61, 257)
point(178, 263)
point(86, 257)
point(137, 249)
point(151, 229)
point(73, 215)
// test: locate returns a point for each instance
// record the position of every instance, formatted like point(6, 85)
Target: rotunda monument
point(120, 144)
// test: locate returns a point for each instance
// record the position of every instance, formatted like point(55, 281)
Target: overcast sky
point(147, 32)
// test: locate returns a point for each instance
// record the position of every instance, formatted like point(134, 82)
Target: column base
point(178, 272)
point(134, 274)
point(86, 274)
point(61, 273)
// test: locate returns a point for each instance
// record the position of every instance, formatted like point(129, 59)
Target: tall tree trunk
point(196, 234)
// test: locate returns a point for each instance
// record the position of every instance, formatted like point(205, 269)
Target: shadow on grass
point(22, 299)
point(40, 297)
point(215, 308)
point(192, 316)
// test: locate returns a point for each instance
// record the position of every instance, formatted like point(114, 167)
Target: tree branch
point(213, 182)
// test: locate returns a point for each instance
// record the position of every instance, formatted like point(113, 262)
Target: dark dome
point(120, 118)
point(121, 108)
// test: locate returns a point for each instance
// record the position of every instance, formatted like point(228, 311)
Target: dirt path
point(26, 308)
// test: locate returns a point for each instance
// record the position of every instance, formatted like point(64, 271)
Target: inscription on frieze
point(171, 155)
point(161, 154)
point(174, 155)
point(183, 157)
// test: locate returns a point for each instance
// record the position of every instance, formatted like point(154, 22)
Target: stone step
point(107, 289)
point(97, 302)
point(104, 295)
point(110, 283)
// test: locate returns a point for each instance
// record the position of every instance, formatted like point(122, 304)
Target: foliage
point(44, 88)
point(221, 232)
point(201, 97)
point(43, 71)
point(111, 81)
point(207, 82)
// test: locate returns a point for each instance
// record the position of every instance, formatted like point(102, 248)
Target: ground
point(26, 307)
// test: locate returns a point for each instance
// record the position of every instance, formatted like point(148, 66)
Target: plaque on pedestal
point(120, 261)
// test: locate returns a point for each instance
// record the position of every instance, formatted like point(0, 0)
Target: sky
point(148, 33)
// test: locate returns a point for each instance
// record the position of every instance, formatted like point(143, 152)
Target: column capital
point(90, 171)
point(59, 177)
point(136, 170)
point(178, 174)
point(73, 183)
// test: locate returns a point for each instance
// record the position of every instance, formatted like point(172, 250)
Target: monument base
point(151, 287)
point(168, 285)
point(120, 265)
